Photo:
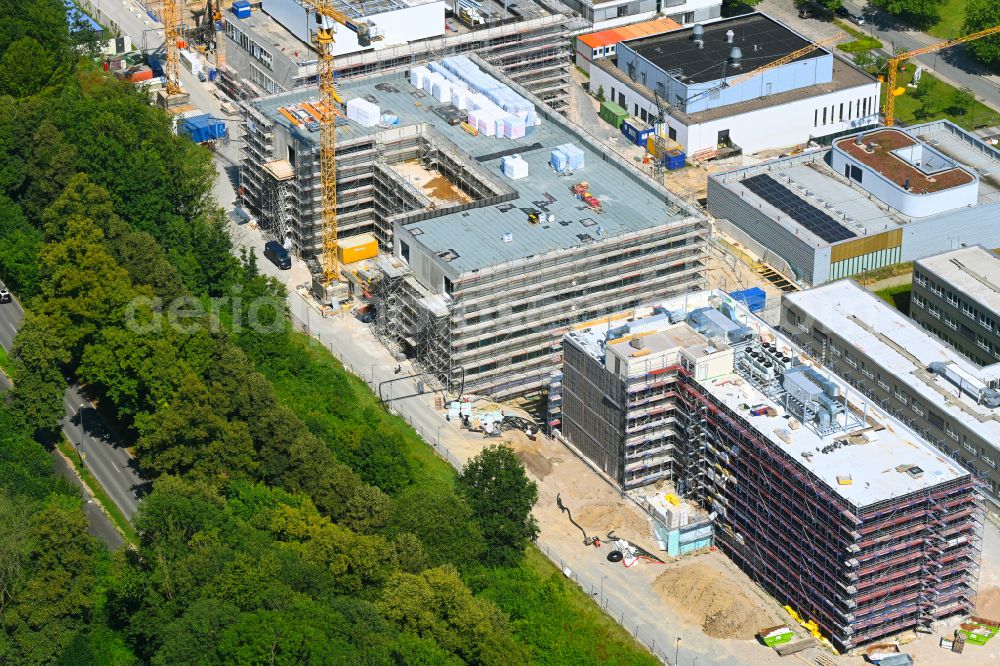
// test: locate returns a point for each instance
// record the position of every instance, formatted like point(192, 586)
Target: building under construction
point(482, 272)
point(271, 50)
point(833, 506)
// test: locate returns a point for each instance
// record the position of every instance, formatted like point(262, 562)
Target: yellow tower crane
point(894, 63)
point(326, 18)
point(171, 15)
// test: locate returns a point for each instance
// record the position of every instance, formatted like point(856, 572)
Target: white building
point(611, 13)
point(687, 73)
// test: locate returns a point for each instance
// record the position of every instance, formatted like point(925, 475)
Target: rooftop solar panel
point(801, 211)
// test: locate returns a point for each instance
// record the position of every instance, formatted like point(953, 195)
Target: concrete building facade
point(265, 57)
point(603, 14)
point(687, 77)
point(800, 472)
point(952, 402)
point(956, 296)
point(481, 274)
point(832, 214)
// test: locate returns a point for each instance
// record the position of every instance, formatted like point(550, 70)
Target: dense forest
point(291, 520)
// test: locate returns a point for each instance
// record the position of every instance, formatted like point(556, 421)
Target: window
point(950, 323)
point(917, 300)
point(404, 251)
point(902, 397)
point(597, 53)
point(918, 410)
point(919, 279)
point(291, 155)
point(968, 311)
point(990, 461)
point(983, 342)
point(642, 77)
point(688, 17)
point(610, 50)
point(850, 361)
point(985, 321)
point(623, 11)
point(824, 115)
point(644, 115)
point(933, 311)
point(816, 118)
point(449, 287)
point(867, 372)
point(841, 112)
point(952, 298)
point(969, 447)
point(882, 383)
point(936, 289)
point(850, 105)
point(856, 173)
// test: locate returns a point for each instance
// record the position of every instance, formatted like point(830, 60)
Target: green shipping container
point(613, 114)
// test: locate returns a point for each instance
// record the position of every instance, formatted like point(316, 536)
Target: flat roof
point(974, 271)
point(902, 349)
point(642, 29)
point(873, 467)
point(877, 151)
point(809, 177)
point(630, 201)
point(761, 39)
point(278, 36)
point(845, 77)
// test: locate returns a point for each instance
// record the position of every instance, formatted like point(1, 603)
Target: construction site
point(497, 232)
point(838, 510)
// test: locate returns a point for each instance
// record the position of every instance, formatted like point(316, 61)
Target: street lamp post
point(602, 588)
point(677, 650)
point(79, 410)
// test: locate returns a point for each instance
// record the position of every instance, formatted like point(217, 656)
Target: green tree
point(501, 497)
point(980, 15)
point(962, 101)
point(49, 169)
point(925, 94)
point(443, 522)
point(50, 606)
point(19, 245)
point(921, 13)
point(25, 68)
point(436, 605)
point(39, 356)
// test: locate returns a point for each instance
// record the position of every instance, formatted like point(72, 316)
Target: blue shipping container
point(155, 65)
point(755, 298)
point(636, 132)
point(241, 8)
point(202, 128)
point(675, 160)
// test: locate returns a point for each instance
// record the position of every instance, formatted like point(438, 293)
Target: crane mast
point(894, 62)
point(171, 18)
point(326, 18)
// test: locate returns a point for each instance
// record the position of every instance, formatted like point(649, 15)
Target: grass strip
point(97, 490)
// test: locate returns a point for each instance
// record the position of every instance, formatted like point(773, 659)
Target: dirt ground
point(706, 596)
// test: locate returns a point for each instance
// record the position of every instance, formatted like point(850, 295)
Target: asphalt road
point(100, 525)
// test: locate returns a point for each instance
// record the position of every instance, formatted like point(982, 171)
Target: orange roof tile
point(614, 35)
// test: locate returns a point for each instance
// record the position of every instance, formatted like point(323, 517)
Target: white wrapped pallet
point(441, 90)
point(514, 167)
point(417, 76)
point(513, 126)
point(430, 80)
point(363, 112)
point(460, 96)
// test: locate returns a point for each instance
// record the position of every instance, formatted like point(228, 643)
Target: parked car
point(4, 295)
point(856, 20)
point(278, 255)
point(240, 216)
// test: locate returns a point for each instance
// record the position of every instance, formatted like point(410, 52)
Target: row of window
point(968, 309)
point(855, 109)
point(900, 395)
point(984, 343)
point(249, 45)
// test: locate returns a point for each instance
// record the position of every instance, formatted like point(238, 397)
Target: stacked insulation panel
point(363, 112)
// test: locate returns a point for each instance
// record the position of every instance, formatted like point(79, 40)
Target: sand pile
point(602, 518)
point(704, 596)
point(988, 602)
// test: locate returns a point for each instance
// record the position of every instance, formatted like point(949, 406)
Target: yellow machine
point(896, 61)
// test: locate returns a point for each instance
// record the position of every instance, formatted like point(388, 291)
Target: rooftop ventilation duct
point(698, 35)
point(735, 57)
point(637, 342)
point(729, 36)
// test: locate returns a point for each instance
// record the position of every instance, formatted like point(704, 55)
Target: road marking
point(116, 468)
point(12, 327)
